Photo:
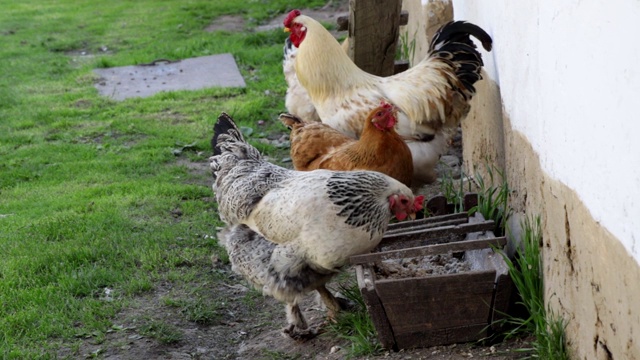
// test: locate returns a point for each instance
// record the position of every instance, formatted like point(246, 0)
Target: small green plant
point(493, 198)
point(163, 332)
point(407, 47)
point(356, 326)
point(526, 272)
point(199, 309)
point(454, 190)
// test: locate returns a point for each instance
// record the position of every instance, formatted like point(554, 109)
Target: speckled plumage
point(288, 206)
point(288, 231)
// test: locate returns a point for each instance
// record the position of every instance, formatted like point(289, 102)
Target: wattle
point(297, 37)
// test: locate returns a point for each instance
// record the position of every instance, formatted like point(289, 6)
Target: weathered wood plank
point(343, 21)
point(364, 274)
point(444, 336)
point(438, 232)
point(503, 289)
point(428, 250)
point(427, 299)
point(438, 205)
point(373, 34)
point(425, 226)
point(429, 220)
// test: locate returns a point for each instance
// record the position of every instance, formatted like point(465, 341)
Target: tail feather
point(229, 147)
point(453, 43)
point(290, 121)
point(224, 126)
point(459, 31)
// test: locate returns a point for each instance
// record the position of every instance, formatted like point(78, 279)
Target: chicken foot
point(298, 329)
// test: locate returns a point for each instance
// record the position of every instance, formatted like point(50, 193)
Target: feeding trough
point(435, 281)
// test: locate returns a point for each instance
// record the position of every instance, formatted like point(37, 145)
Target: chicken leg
point(333, 305)
point(298, 329)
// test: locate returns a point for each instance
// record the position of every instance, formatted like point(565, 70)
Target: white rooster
point(288, 231)
point(432, 97)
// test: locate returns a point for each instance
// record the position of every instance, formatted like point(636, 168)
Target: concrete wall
point(557, 111)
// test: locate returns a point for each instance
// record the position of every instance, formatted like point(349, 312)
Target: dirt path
point(248, 327)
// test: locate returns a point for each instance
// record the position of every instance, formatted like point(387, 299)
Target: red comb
point(385, 105)
point(417, 203)
point(289, 19)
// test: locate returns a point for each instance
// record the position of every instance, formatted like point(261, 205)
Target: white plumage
point(297, 99)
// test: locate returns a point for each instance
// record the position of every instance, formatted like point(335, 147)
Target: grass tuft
point(546, 327)
point(165, 333)
point(493, 198)
point(356, 326)
point(454, 190)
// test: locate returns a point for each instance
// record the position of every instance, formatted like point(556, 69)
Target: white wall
point(569, 76)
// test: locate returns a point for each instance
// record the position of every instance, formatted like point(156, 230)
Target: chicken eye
point(404, 201)
point(379, 113)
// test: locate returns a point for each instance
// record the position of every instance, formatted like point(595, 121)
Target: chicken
point(296, 100)
point(288, 232)
point(380, 148)
point(252, 256)
point(432, 96)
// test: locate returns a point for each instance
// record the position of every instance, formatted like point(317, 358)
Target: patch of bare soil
point(235, 23)
point(231, 23)
point(248, 327)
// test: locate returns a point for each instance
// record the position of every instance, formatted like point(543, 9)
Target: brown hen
point(318, 146)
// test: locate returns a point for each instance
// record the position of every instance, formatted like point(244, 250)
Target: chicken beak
point(412, 216)
point(287, 29)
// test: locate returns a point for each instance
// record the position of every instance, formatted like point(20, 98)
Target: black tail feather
point(452, 42)
point(224, 125)
point(459, 31)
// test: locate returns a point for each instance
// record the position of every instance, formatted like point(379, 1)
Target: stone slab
point(125, 82)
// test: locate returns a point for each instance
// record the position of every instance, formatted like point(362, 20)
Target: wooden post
point(373, 34)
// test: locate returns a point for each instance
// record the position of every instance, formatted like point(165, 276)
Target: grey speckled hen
point(288, 231)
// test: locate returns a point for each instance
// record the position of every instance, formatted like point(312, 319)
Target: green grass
point(89, 187)
point(407, 48)
point(356, 326)
point(454, 189)
point(161, 331)
point(493, 194)
point(493, 197)
point(525, 270)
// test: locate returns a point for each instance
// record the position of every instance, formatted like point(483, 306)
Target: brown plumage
point(380, 148)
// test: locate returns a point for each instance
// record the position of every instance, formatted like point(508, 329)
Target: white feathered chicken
point(297, 99)
point(288, 231)
point(431, 96)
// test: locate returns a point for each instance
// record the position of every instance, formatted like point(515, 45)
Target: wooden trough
point(427, 310)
